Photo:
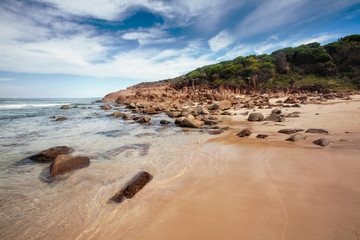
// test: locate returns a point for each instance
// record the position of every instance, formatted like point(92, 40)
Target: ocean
point(32, 206)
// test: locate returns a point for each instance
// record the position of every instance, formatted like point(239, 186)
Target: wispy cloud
point(6, 79)
point(221, 40)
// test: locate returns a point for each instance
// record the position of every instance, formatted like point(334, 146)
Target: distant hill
point(334, 66)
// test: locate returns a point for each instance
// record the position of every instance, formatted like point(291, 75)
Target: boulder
point(215, 131)
point(244, 133)
point(276, 111)
point(223, 105)
point(116, 114)
point(131, 105)
point(63, 163)
point(262, 136)
point(106, 107)
point(317, 130)
point(255, 117)
point(61, 119)
point(174, 114)
point(164, 122)
point(135, 185)
point(297, 137)
point(290, 131)
point(293, 115)
point(322, 142)
point(191, 123)
point(127, 116)
point(291, 99)
point(50, 154)
point(143, 119)
point(179, 120)
point(65, 107)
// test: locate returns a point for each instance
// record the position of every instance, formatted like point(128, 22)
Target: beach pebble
point(262, 136)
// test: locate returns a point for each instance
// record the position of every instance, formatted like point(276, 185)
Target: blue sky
point(88, 48)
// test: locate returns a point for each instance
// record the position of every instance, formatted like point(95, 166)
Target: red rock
point(134, 186)
point(64, 163)
point(61, 119)
point(50, 154)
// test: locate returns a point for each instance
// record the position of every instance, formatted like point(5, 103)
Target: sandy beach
point(249, 188)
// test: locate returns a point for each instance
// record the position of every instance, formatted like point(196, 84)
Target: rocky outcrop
point(134, 186)
point(50, 154)
point(63, 163)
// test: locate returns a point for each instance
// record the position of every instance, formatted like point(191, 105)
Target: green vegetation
point(334, 66)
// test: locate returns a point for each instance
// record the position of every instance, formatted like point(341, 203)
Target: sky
point(88, 48)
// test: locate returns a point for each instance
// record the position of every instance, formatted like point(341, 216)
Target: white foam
point(22, 106)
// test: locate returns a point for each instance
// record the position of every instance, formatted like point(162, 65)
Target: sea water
point(74, 205)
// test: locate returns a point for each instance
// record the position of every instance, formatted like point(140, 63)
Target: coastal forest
point(334, 66)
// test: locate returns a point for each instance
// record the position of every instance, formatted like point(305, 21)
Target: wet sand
point(262, 188)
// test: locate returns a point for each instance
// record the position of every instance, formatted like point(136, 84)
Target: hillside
point(310, 67)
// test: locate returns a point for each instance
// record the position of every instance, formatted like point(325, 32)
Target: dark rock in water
point(127, 116)
point(50, 154)
point(244, 133)
point(114, 133)
point(142, 149)
point(165, 122)
point(116, 114)
point(215, 131)
point(290, 131)
point(297, 137)
point(275, 118)
point(64, 163)
point(135, 185)
point(75, 106)
point(179, 120)
point(317, 130)
point(143, 119)
point(61, 119)
point(322, 142)
point(106, 107)
point(53, 117)
point(145, 135)
point(65, 107)
point(262, 136)
point(256, 117)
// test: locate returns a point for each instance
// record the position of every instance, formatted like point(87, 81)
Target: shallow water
point(73, 206)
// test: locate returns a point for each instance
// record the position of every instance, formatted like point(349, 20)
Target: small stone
point(61, 119)
point(290, 131)
point(244, 133)
point(215, 131)
point(106, 107)
point(164, 122)
point(143, 119)
point(65, 107)
point(262, 136)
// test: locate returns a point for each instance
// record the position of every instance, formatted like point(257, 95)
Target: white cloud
point(148, 36)
point(320, 38)
point(6, 79)
point(220, 41)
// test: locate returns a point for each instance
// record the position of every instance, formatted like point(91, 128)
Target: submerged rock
point(106, 107)
point(244, 133)
point(50, 154)
point(134, 186)
point(64, 163)
point(143, 119)
point(64, 107)
point(61, 119)
point(164, 122)
point(317, 130)
point(256, 117)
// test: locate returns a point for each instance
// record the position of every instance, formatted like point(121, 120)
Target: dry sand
point(262, 188)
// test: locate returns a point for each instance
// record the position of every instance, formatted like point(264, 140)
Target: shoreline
point(264, 188)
